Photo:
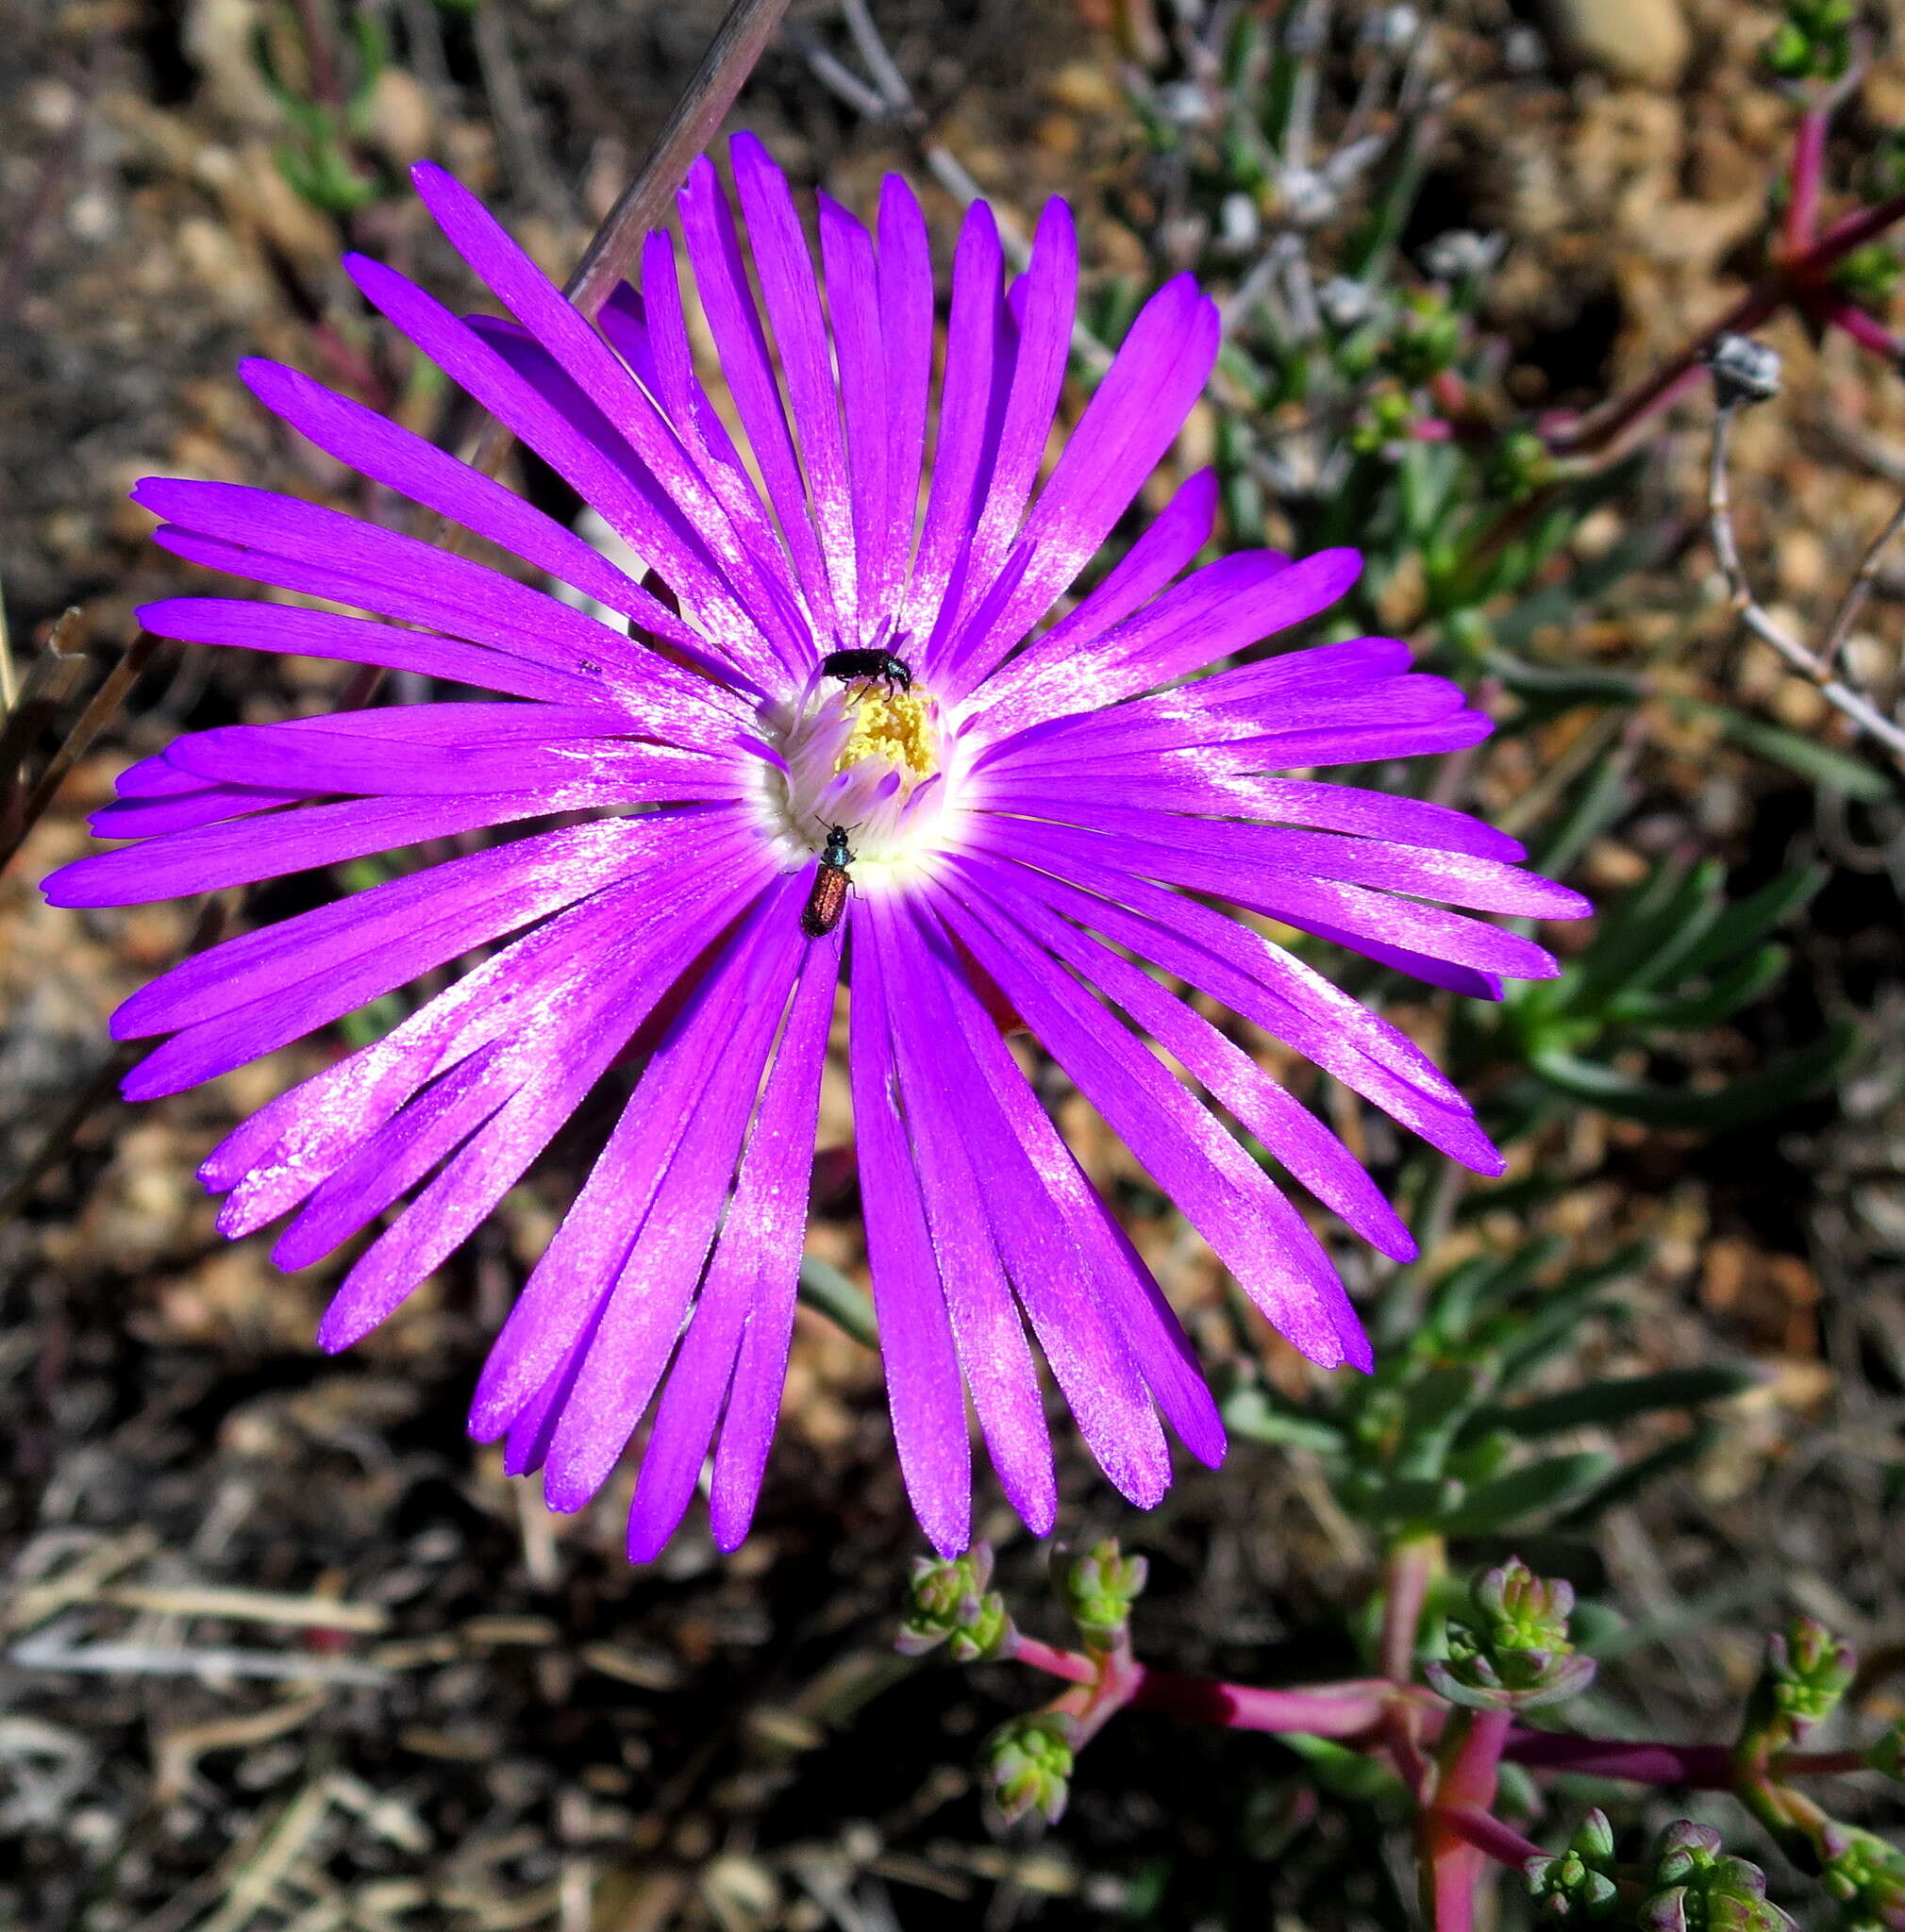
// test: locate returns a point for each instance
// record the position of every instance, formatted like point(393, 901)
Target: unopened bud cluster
point(1514, 1655)
point(1867, 1876)
point(1696, 1886)
point(1028, 1765)
point(1808, 1671)
point(1579, 1884)
point(950, 1604)
point(1099, 1590)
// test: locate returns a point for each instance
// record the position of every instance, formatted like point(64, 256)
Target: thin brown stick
point(1817, 669)
point(49, 681)
point(1860, 590)
point(738, 44)
point(78, 741)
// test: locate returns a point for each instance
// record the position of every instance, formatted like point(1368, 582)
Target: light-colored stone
point(1644, 41)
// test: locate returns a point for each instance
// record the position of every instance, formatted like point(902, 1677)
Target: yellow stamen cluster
point(894, 725)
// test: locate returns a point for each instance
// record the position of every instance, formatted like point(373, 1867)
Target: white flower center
point(867, 757)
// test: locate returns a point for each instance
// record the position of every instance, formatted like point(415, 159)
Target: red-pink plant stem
point(1697, 1767)
point(1598, 429)
point(1604, 425)
point(1847, 233)
point(1809, 163)
point(1861, 328)
point(1072, 1665)
point(1338, 1710)
point(1469, 1764)
point(1348, 1710)
point(1413, 1566)
point(1489, 1835)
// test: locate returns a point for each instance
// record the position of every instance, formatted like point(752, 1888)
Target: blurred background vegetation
point(1663, 1358)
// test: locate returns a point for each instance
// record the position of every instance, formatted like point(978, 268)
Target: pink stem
point(1413, 1566)
point(1469, 1763)
point(1336, 1711)
point(1698, 1767)
point(1809, 161)
point(1865, 329)
point(1488, 1834)
point(1068, 1664)
point(1325, 1710)
point(1602, 427)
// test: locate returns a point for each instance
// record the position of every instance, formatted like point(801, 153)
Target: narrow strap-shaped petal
point(1216, 611)
point(1263, 983)
point(1047, 293)
point(250, 624)
point(395, 456)
point(1134, 836)
point(532, 876)
point(1134, 1304)
point(451, 1208)
point(995, 1356)
point(743, 1011)
point(1311, 1153)
point(721, 281)
point(562, 331)
point(276, 1158)
point(973, 396)
point(1124, 894)
point(916, 1348)
point(272, 845)
point(351, 561)
point(1259, 1238)
point(750, 1284)
point(1051, 1273)
point(853, 306)
point(568, 1286)
point(785, 267)
point(623, 491)
point(906, 318)
point(1166, 547)
point(1076, 798)
point(361, 972)
point(1158, 373)
point(185, 812)
point(698, 423)
point(385, 753)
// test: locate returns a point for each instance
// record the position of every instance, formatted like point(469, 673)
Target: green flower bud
point(1808, 1671)
point(952, 1606)
point(1697, 1886)
point(1579, 1884)
point(1515, 1654)
point(1099, 1590)
point(1867, 1876)
point(1028, 1765)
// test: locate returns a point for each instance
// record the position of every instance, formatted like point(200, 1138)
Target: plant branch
point(1841, 696)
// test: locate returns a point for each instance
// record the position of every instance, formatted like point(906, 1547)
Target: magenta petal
point(915, 1335)
point(721, 281)
point(1222, 1192)
point(1168, 543)
point(1038, 1240)
point(973, 392)
point(988, 1334)
point(749, 1287)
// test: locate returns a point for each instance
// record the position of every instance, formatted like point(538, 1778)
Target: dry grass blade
point(99, 712)
point(611, 252)
point(51, 679)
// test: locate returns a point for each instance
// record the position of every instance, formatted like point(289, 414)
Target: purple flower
point(1034, 815)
